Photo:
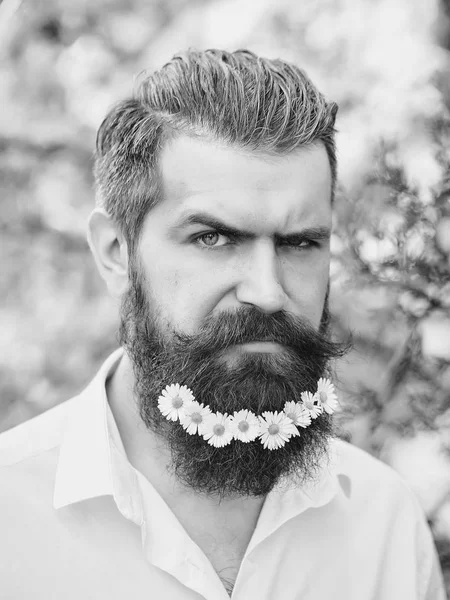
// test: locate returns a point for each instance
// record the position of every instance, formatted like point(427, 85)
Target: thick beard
point(257, 382)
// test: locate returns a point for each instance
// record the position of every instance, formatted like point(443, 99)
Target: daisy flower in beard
point(312, 403)
point(327, 395)
point(275, 429)
point(298, 414)
point(245, 426)
point(217, 429)
point(193, 420)
point(173, 401)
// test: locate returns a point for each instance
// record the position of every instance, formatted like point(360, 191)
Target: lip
point(261, 346)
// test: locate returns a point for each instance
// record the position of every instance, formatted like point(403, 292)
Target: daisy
point(298, 414)
point(194, 417)
point(327, 395)
point(173, 401)
point(312, 403)
point(217, 429)
point(275, 429)
point(245, 426)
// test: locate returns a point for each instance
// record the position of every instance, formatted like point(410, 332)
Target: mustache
point(247, 325)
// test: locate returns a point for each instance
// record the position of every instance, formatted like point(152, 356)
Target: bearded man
point(201, 462)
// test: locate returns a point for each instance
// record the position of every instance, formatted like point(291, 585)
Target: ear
point(110, 251)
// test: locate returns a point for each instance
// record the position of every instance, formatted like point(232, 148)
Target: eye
point(211, 239)
point(301, 244)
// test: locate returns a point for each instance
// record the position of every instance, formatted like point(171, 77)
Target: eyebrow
point(208, 220)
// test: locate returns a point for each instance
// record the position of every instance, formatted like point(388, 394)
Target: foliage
point(386, 63)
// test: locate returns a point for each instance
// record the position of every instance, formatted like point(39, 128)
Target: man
point(201, 462)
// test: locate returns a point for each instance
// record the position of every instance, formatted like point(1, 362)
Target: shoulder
point(29, 455)
point(35, 437)
point(386, 511)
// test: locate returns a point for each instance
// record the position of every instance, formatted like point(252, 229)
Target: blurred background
point(387, 64)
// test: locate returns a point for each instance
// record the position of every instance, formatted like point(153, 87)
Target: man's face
point(237, 229)
point(227, 296)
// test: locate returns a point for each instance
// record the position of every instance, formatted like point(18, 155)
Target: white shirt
point(78, 522)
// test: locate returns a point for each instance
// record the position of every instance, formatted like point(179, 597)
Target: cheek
point(183, 297)
point(178, 283)
point(308, 291)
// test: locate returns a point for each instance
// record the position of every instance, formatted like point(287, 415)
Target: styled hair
point(238, 98)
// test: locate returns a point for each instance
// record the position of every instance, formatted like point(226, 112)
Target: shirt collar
point(288, 500)
point(93, 463)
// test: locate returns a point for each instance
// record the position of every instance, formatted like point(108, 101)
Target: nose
point(260, 284)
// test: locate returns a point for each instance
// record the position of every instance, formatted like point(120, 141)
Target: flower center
point(218, 430)
point(243, 426)
point(291, 416)
point(196, 418)
point(177, 402)
point(273, 429)
point(323, 396)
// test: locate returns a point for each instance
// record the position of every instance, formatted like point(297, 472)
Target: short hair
point(238, 98)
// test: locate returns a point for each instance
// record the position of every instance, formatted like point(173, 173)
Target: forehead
point(199, 174)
